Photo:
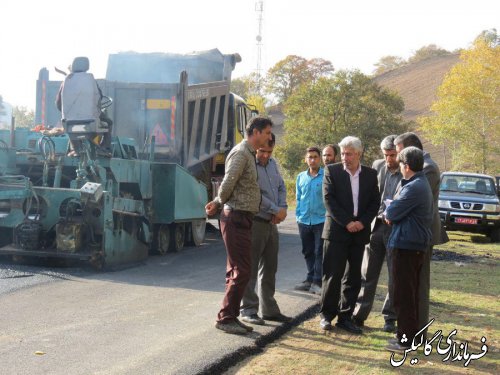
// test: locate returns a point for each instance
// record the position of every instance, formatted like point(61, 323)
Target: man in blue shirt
point(265, 242)
point(310, 215)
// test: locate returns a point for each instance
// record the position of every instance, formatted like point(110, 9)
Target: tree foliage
point(287, 75)
point(348, 103)
point(24, 117)
point(388, 63)
point(246, 86)
point(466, 115)
point(259, 102)
point(427, 52)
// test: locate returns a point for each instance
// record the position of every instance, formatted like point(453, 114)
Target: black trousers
point(341, 277)
point(406, 269)
point(373, 260)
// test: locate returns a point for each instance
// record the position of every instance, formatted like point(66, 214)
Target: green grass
point(465, 291)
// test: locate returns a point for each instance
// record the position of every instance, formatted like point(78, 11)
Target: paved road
point(155, 318)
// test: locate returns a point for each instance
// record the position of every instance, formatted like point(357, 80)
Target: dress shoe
point(248, 328)
point(349, 326)
point(325, 325)
point(277, 318)
point(231, 327)
point(253, 319)
point(360, 323)
point(396, 346)
point(394, 340)
point(389, 326)
point(303, 286)
point(315, 289)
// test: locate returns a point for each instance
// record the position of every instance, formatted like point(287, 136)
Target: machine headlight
point(443, 204)
point(492, 207)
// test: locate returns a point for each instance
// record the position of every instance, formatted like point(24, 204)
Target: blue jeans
point(312, 248)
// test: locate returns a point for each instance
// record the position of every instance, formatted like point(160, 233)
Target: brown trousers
point(236, 228)
point(406, 269)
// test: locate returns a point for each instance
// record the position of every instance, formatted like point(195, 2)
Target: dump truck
point(127, 164)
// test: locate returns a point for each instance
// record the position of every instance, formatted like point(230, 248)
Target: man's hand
point(359, 226)
point(279, 217)
point(351, 227)
point(355, 226)
point(211, 208)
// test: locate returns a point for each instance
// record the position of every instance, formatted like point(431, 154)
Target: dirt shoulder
point(464, 297)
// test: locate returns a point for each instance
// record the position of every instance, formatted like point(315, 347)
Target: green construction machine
point(126, 164)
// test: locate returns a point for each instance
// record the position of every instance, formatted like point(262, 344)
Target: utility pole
point(259, 8)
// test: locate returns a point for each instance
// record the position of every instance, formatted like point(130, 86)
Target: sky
point(352, 34)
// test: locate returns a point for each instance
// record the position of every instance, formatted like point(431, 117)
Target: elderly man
point(410, 215)
point(265, 242)
point(351, 196)
point(431, 171)
point(239, 198)
point(389, 176)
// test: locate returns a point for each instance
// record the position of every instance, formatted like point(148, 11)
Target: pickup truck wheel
point(197, 232)
point(495, 235)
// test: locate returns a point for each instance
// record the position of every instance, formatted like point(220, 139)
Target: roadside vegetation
point(465, 118)
point(464, 296)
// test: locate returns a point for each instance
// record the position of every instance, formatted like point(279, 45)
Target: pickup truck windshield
point(467, 184)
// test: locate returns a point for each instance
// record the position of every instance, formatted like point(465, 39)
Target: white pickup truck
point(469, 202)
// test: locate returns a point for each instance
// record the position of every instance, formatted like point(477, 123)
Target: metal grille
point(467, 206)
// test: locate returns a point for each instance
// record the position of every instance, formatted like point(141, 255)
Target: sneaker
point(315, 289)
point(325, 325)
point(231, 327)
point(253, 319)
point(277, 318)
point(389, 326)
point(303, 286)
point(248, 328)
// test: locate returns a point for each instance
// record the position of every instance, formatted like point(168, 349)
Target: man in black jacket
point(410, 215)
point(389, 176)
point(433, 175)
point(352, 198)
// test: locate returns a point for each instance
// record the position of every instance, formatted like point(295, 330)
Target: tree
point(349, 103)
point(247, 85)
point(25, 118)
point(388, 63)
point(427, 52)
point(259, 102)
point(287, 75)
point(466, 115)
